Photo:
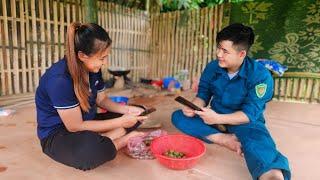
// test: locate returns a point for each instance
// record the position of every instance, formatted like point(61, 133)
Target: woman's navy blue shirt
point(55, 91)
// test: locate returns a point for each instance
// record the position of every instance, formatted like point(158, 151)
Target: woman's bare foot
point(115, 133)
point(123, 141)
point(132, 134)
point(229, 141)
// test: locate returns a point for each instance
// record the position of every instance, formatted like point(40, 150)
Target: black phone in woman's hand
point(138, 123)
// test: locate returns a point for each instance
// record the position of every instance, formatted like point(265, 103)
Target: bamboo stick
point(152, 73)
point(180, 44)
point(55, 31)
point(34, 44)
point(192, 46)
point(200, 45)
point(74, 14)
point(215, 31)
point(43, 59)
point(188, 44)
point(7, 63)
point(16, 75)
point(196, 40)
point(62, 31)
point(48, 35)
point(139, 42)
point(206, 30)
point(2, 78)
point(29, 45)
point(210, 37)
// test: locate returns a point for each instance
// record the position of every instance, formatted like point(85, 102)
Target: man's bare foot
point(273, 174)
point(229, 141)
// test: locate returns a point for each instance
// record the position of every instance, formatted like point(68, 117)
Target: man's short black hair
point(241, 36)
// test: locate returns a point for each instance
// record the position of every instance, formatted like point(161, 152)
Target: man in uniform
point(239, 89)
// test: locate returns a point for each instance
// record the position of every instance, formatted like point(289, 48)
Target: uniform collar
point(242, 71)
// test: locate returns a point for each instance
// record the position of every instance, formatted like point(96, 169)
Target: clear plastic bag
point(6, 112)
point(139, 147)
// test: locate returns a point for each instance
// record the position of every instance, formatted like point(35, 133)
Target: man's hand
point(188, 112)
point(209, 116)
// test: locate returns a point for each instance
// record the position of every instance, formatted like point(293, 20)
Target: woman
point(69, 129)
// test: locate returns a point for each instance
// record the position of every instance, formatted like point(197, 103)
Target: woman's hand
point(134, 110)
point(129, 120)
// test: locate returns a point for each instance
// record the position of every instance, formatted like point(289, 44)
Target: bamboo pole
point(200, 45)
point(206, 40)
point(2, 78)
point(29, 45)
point(191, 41)
point(176, 40)
point(215, 31)
point(48, 35)
point(42, 38)
point(196, 40)
point(152, 73)
point(62, 31)
point(210, 37)
point(55, 31)
point(7, 63)
point(16, 75)
point(74, 14)
point(138, 25)
point(34, 45)
point(188, 43)
point(180, 46)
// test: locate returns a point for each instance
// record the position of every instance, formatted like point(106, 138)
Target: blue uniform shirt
point(55, 91)
point(248, 91)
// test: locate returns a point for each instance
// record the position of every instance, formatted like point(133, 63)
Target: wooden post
point(90, 11)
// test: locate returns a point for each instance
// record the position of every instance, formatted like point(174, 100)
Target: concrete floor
point(294, 127)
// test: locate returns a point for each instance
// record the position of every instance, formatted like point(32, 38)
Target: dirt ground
point(295, 128)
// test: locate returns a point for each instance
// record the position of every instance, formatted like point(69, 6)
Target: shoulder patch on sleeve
point(261, 90)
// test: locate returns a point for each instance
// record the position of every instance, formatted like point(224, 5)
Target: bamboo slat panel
point(299, 87)
point(32, 38)
point(184, 40)
point(130, 31)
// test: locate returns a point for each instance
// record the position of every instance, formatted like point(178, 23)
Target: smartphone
point(138, 123)
point(147, 111)
point(187, 103)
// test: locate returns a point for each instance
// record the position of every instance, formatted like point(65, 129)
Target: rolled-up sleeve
point(204, 91)
point(260, 92)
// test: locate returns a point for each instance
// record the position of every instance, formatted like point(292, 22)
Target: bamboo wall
point(32, 34)
point(184, 40)
point(32, 37)
point(297, 87)
point(130, 32)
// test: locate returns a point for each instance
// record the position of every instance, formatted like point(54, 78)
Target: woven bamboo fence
point(184, 40)
point(298, 87)
point(130, 32)
point(32, 37)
